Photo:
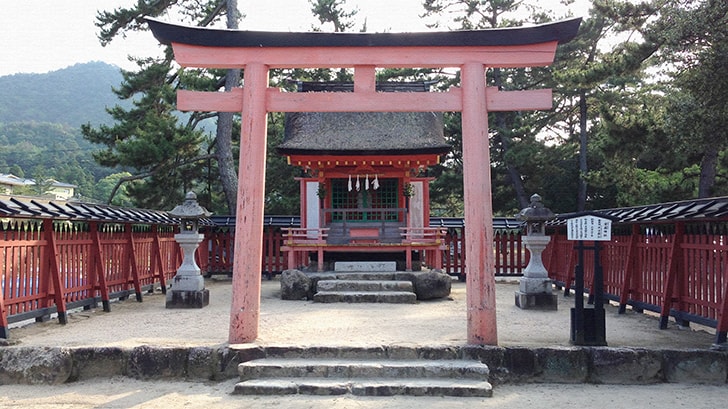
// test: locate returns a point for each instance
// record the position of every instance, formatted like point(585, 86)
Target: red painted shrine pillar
point(480, 280)
point(245, 308)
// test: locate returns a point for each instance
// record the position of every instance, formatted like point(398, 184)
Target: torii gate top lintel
point(560, 31)
point(501, 47)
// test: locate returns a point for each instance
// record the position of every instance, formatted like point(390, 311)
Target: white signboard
point(589, 228)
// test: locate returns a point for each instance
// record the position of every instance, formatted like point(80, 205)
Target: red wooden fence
point(678, 270)
point(51, 266)
point(509, 254)
point(220, 241)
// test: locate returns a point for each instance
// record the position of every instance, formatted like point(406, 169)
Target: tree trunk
point(583, 168)
point(513, 173)
point(223, 137)
point(708, 166)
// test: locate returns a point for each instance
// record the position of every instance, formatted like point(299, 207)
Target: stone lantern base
point(188, 299)
point(537, 301)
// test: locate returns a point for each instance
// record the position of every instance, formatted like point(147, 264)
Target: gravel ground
point(443, 321)
point(131, 323)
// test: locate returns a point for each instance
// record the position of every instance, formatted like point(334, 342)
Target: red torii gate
point(470, 51)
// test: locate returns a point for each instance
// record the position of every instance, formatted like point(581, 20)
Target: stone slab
point(363, 368)
point(365, 266)
point(365, 387)
point(538, 301)
point(364, 285)
point(188, 299)
point(391, 297)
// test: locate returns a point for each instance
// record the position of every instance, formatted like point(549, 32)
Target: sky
point(38, 36)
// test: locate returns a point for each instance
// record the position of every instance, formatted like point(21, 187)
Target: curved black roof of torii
point(561, 31)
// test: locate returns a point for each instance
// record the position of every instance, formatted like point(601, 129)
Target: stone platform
point(144, 340)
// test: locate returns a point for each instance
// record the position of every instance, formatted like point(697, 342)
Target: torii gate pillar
point(471, 51)
point(479, 269)
point(248, 250)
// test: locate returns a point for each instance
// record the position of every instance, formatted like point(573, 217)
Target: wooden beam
point(530, 55)
point(365, 80)
point(365, 101)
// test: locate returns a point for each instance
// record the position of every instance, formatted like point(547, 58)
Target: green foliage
point(331, 11)
point(58, 151)
point(71, 96)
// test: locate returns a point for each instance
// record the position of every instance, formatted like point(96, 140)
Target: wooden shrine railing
point(52, 260)
point(300, 242)
point(510, 254)
point(51, 266)
point(676, 268)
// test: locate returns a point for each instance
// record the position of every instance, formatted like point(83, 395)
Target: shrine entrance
point(469, 51)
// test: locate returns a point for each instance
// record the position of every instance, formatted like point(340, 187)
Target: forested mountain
point(71, 96)
point(40, 119)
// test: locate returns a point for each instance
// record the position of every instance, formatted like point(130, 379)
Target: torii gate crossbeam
point(470, 51)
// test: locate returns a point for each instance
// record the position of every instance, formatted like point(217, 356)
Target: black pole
point(577, 313)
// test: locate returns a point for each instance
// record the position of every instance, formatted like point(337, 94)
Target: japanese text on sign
point(589, 228)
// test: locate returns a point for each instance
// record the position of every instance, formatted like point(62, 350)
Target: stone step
point(365, 266)
point(392, 297)
point(374, 276)
point(366, 387)
point(364, 285)
point(363, 368)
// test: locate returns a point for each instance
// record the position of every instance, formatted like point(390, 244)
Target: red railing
point(48, 265)
point(51, 266)
point(509, 254)
point(678, 270)
point(220, 243)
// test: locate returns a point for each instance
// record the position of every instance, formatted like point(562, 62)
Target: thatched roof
point(363, 133)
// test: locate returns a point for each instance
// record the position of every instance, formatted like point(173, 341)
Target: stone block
point(561, 365)
point(98, 362)
point(626, 366)
point(538, 301)
point(188, 299)
point(518, 364)
point(157, 363)
point(695, 366)
point(35, 365)
point(365, 266)
point(203, 363)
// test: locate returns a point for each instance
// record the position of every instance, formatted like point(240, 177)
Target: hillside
point(72, 96)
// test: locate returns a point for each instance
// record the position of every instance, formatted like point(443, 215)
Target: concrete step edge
point(363, 368)
point(365, 387)
point(399, 297)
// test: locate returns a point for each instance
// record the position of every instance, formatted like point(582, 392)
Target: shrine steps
point(363, 374)
point(365, 287)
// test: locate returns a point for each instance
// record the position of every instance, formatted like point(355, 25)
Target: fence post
point(55, 271)
point(629, 270)
point(97, 263)
point(132, 261)
point(674, 271)
point(157, 262)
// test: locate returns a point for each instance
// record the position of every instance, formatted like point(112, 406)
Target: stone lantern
point(188, 286)
point(535, 287)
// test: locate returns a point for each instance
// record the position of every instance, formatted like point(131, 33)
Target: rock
point(35, 366)
point(147, 362)
point(295, 285)
point(432, 284)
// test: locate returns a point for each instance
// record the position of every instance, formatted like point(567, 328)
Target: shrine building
point(365, 195)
